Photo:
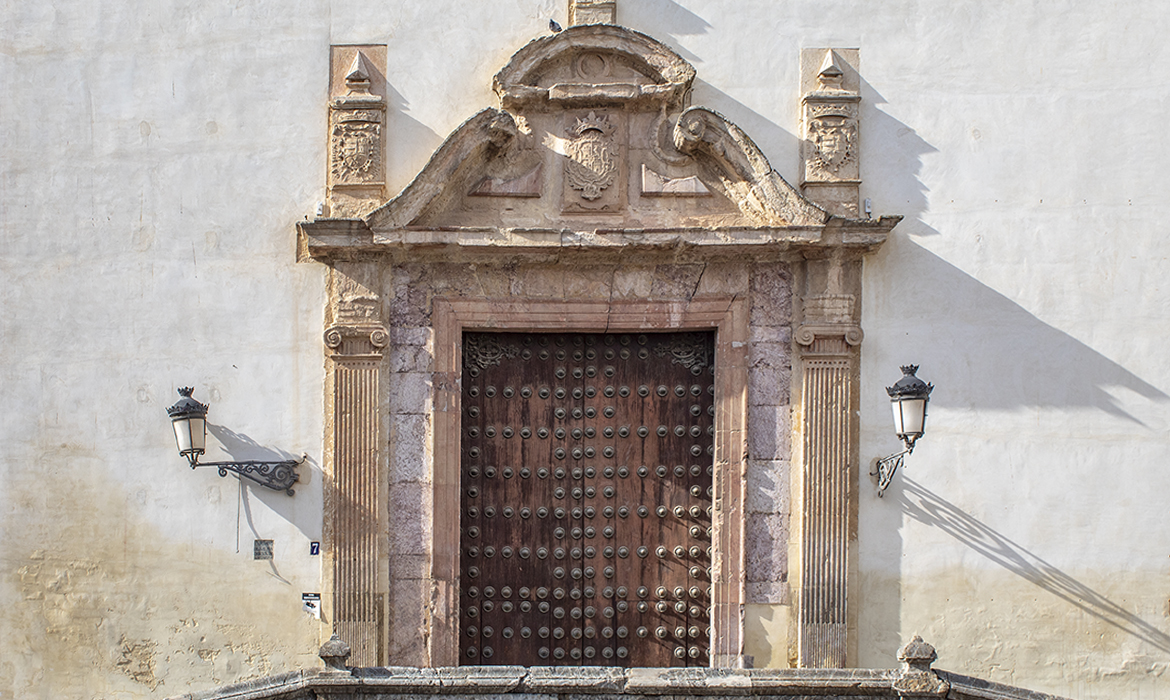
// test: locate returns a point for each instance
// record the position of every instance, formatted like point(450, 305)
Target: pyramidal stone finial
point(357, 78)
point(830, 74)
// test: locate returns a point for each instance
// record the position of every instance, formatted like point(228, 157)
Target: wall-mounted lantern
point(908, 398)
point(189, 419)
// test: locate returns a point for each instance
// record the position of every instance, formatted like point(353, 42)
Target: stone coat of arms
point(356, 149)
point(832, 138)
point(592, 165)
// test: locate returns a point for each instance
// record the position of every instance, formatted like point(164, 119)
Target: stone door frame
point(726, 316)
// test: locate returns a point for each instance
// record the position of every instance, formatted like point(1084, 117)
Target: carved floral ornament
point(692, 351)
point(483, 350)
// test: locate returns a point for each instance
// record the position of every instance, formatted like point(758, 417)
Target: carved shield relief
point(832, 138)
point(356, 148)
point(594, 156)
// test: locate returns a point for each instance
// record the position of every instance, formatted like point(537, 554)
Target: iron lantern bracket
point(278, 476)
point(885, 468)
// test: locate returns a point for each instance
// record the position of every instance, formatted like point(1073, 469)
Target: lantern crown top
point(187, 407)
point(909, 386)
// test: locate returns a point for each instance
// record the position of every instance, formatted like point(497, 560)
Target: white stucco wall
point(156, 156)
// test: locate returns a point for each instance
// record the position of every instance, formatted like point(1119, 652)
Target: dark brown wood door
point(586, 499)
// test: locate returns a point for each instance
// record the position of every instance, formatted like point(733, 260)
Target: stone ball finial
point(917, 654)
point(334, 653)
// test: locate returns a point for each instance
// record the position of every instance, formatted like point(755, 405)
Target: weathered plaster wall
point(150, 180)
point(157, 155)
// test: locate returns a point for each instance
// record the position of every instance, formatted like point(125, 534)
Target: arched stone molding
point(661, 77)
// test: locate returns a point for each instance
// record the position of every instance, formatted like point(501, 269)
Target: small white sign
point(311, 603)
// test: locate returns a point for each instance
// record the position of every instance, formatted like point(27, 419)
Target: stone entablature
point(597, 195)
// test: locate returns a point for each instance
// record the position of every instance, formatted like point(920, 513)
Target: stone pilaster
point(355, 502)
point(830, 173)
point(357, 134)
point(592, 12)
point(826, 447)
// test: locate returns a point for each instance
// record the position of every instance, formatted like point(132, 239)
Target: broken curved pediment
point(595, 146)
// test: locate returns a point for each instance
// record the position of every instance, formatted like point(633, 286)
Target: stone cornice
point(342, 238)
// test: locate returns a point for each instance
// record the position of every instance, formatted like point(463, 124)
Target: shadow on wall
point(973, 327)
point(667, 18)
point(241, 448)
point(931, 509)
point(963, 330)
point(891, 164)
point(409, 142)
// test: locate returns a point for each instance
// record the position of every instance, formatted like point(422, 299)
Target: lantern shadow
point(929, 508)
point(298, 509)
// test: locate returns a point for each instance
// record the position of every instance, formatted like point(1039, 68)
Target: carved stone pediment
point(595, 145)
point(594, 65)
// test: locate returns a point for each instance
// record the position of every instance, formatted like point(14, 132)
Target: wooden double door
point(586, 481)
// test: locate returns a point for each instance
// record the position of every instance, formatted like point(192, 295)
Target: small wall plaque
point(314, 548)
point(262, 549)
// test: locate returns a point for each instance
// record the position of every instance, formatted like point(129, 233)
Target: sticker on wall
point(311, 603)
point(314, 548)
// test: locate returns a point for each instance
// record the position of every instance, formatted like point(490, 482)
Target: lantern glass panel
point(909, 417)
point(191, 435)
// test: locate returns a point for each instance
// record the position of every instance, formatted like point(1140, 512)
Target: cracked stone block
point(410, 522)
point(409, 335)
point(766, 547)
point(771, 290)
point(410, 392)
